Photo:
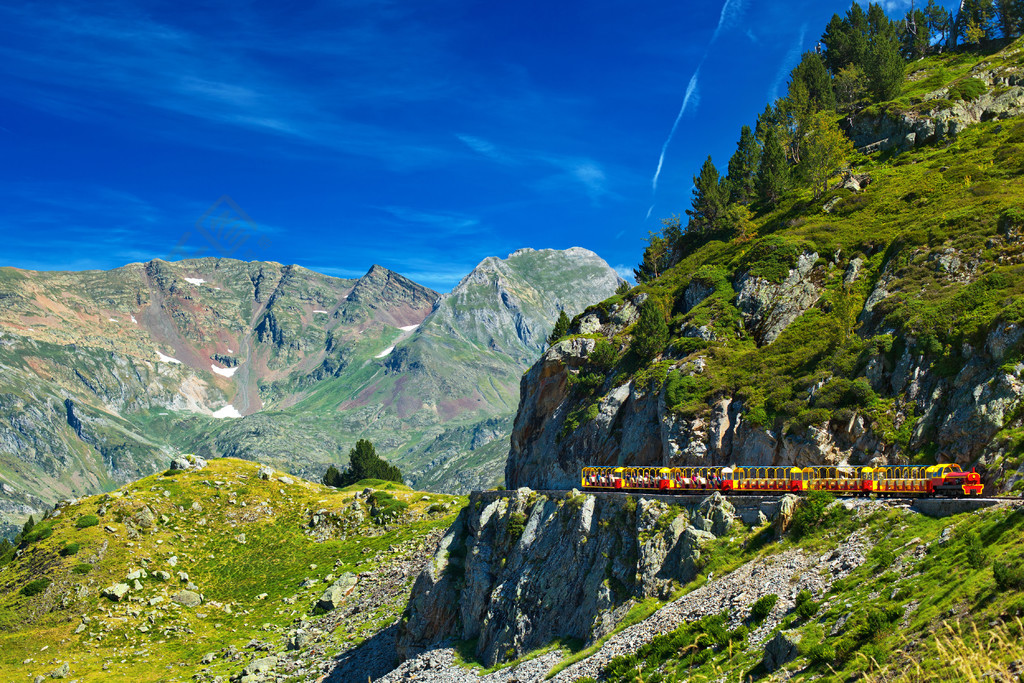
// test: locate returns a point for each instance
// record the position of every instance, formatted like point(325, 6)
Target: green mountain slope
point(878, 323)
point(227, 564)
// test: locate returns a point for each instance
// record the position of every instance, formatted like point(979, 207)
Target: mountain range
point(107, 374)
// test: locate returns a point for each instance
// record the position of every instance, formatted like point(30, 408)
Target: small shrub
point(822, 653)
point(38, 533)
point(516, 525)
point(760, 610)
point(806, 607)
point(882, 558)
point(603, 356)
point(811, 513)
point(975, 550)
point(436, 508)
point(83, 568)
point(69, 550)
point(87, 521)
point(967, 89)
point(1009, 575)
point(35, 587)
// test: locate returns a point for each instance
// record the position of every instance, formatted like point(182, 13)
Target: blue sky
point(420, 136)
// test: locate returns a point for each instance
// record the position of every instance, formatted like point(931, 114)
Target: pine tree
point(1008, 17)
point(878, 21)
point(886, 67)
point(773, 172)
point(29, 524)
point(709, 199)
point(561, 328)
point(332, 477)
point(811, 71)
point(851, 85)
point(939, 19)
point(651, 332)
point(771, 117)
point(976, 20)
point(364, 463)
point(828, 150)
point(654, 261)
point(915, 35)
point(743, 168)
point(846, 40)
point(623, 288)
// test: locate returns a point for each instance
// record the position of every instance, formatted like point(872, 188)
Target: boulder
point(784, 647)
point(62, 671)
point(187, 461)
point(784, 516)
point(718, 514)
point(116, 592)
point(335, 595)
point(187, 598)
point(265, 472)
point(144, 518)
point(260, 666)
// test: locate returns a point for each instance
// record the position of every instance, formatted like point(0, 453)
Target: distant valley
point(106, 374)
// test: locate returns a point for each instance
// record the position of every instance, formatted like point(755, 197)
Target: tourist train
point(932, 480)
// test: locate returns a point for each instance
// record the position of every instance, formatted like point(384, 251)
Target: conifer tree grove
point(364, 463)
point(773, 173)
point(743, 168)
point(886, 67)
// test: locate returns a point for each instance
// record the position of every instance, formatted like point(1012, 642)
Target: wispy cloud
point(580, 172)
point(890, 6)
point(693, 96)
point(447, 223)
point(625, 272)
point(730, 13)
point(484, 147)
point(788, 62)
point(83, 63)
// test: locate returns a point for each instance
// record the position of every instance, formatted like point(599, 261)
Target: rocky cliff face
point(631, 421)
point(518, 570)
point(937, 119)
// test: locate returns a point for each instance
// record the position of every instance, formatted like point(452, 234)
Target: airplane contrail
point(730, 9)
point(691, 89)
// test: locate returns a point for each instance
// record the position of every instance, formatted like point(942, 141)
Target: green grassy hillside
point(260, 552)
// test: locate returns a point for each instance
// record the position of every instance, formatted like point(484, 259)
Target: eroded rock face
point(517, 570)
point(768, 308)
point(945, 121)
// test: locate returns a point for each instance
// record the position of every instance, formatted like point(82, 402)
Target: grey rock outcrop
point(768, 308)
point(519, 569)
point(945, 120)
point(782, 648)
point(188, 462)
